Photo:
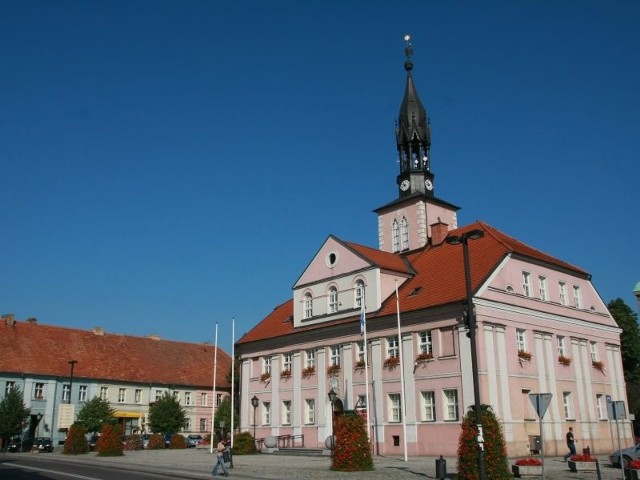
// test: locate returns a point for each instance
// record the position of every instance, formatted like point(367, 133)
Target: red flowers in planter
point(598, 365)
point(634, 465)
point(391, 363)
point(566, 361)
point(529, 462)
point(583, 457)
point(522, 355)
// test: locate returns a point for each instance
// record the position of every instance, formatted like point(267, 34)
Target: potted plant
point(333, 370)
point(632, 470)
point(391, 363)
point(308, 371)
point(583, 463)
point(524, 467)
point(524, 356)
point(285, 374)
point(424, 356)
point(598, 365)
point(566, 361)
point(265, 377)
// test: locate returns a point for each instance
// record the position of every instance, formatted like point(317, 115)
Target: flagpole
point(402, 392)
point(233, 371)
point(363, 320)
point(213, 403)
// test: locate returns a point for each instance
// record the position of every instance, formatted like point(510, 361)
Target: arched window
point(404, 233)
point(359, 294)
point(308, 305)
point(395, 232)
point(333, 300)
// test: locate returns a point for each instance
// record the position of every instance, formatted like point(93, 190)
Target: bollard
point(441, 468)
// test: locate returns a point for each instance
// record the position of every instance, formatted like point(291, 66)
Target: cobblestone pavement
point(197, 464)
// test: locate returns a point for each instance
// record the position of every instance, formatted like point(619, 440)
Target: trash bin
point(441, 468)
point(587, 451)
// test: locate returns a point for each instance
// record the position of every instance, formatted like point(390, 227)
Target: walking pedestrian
point(220, 459)
point(571, 443)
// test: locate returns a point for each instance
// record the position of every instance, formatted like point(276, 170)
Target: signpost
point(540, 402)
point(617, 411)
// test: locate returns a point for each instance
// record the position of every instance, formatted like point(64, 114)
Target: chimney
point(9, 319)
point(439, 232)
point(154, 336)
point(32, 320)
point(98, 331)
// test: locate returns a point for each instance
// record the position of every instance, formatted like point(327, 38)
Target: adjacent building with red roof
point(386, 331)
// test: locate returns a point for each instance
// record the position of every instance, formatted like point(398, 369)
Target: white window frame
point(203, 425)
point(562, 290)
point(10, 385)
point(360, 351)
point(187, 399)
point(562, 347)
point(544, 290)
point(266, 413)
point(450, 397)
point(266, 364)
point(593, 348)
point(358, 293)
point(104, 393)
point(567, 404)
point(82, 393)
point(526, 284)
point(286, 412)
point(310, 358)
point(393, 347)
point(137, 396)
point(428, 406)
point(577, 296)
point(219, 398)
point(395, 408)
point(395, 235)
point(308, 305)
point(601, 406)
point(310, 411)
point(425, 342)
point(334, 357)
point(122, 395)
point(66, 392)
point(38, 391)
point(204, 399)
point(333, 300)
point(521, 340)
point(287, 361)
point(404, 234)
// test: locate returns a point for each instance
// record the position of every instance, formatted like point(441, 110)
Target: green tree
point(13, 414)
point(94, 414)
point(166, 415)
point(223, 414)
point(495, 449)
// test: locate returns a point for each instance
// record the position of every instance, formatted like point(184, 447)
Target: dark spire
point(413, 135)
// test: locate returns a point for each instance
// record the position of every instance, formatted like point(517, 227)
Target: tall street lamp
point(332, 398)
point(471, 325)
point(254, 404)
point(73, 364)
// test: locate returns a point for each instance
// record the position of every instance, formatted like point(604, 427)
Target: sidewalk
point(197, 464)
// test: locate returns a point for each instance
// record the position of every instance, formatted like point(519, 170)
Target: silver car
point(628, 454)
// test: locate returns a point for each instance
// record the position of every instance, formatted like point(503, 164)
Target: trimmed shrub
point(495, 450)
point(134, 442)
point(76, 441)
point(178, 441)
point(244, 444)
point(110, 442)
point(351, 452)
point(156, 442)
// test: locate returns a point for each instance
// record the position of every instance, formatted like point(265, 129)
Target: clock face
point(404, 186)
point(428, 184)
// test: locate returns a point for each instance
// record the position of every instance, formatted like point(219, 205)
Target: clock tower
point(417, 217)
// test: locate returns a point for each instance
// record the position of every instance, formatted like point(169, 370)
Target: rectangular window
point(104, 393)
point(333, 300)
point(38, 392)
point(82, 394)
point(425, 343)
point(122, 395)
point(526, 284)
point(310, 411)
point(218, 399)
point(204, 399)
point(544, 292)
point(567, 404)
point(266, 364)
point(393, 349)
point(562, 348)
point(428, 407)
point(308, 306)
point(360, 351)
point(562, 287)
point(521, 340)
point(450, 404)
point(601, 406)
point(187, 399)
point(310, 358)
point(287, 362)
point(137, 397)
point(286, 412)
point(577, 297)
point(187, 425)
point(8, 387)
point(203, 424)
point(361, 403)
point(66, 394)
point(158, 395)
point(335, 355)
point(266, 413)
point(594, 351)
point(395, 408)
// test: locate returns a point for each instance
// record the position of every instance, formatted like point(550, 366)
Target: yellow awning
point(120, 414)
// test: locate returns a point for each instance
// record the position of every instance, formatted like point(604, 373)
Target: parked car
point(44, 444)
point(145, 439)
point(93, 441)
point(193, 440)
point(167, 439)
point(19, 444)
point(627, 454)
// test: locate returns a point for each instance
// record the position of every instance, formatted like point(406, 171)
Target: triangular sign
point(540, 402)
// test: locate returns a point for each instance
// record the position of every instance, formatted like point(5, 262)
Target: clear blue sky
point(169, 164)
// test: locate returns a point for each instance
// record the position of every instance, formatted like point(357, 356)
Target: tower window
point(395, 232)
point(404, 233)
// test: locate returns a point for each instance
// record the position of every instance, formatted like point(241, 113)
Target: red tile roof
point(439, 277)
point(37, 349)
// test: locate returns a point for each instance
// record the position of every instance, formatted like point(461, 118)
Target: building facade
point(59, 369)
point(541, 328)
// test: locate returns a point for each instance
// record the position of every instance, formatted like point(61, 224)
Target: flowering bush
point(76, 441)
point(308, 372)
point(391, 363)
point(583, 457)
point(529, 462)
point(110, 442)
point(134, 442)
point(352, 452)
point(177, 442)
point(156, 442)
point(566, 361)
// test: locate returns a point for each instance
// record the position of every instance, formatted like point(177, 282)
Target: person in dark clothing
point(571, 443)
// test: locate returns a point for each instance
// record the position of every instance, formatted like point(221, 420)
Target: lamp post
point(332, 398)
point(471, 325)
point(254, 403)
point(73, 364)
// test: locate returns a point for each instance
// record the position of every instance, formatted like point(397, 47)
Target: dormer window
point(333, 300)
point(308, 305)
